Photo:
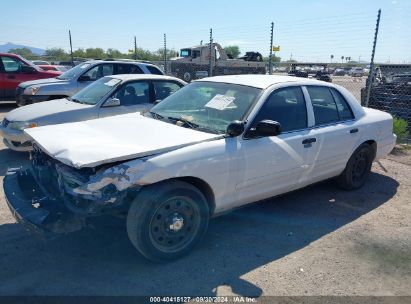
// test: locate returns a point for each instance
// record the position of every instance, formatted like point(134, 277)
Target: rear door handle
point(309, 141)
point(353, 130)
point(11, 77)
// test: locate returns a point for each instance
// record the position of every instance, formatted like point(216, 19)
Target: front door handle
point(353, 130)
point(309, 141)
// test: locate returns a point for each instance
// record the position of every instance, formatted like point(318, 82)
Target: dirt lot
point(316, 241)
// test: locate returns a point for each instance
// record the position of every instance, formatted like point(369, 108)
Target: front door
point(12, 75)
point(273, 165)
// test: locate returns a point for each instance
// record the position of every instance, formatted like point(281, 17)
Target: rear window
point(154, 70)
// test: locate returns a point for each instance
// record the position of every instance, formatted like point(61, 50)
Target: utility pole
point(165, 54)
point(211, 47)
point(270, 61)
point(371, 75)
point(71, 50)
point(135, 48)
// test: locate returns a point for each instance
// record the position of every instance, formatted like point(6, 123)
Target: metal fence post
point(135, 48)
point(270, 60)
point(71, 50)
point(371, 75)
point(211, 47)
point(165, 54)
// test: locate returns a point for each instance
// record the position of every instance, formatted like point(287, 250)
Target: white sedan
point(216, 144)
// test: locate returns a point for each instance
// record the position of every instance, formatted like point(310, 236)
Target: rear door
point(134, 96)
point(336, 131)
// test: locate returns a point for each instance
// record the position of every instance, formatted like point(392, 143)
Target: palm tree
point(342, 59)
point(332, 56)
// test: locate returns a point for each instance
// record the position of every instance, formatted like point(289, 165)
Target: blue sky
point(309, 30)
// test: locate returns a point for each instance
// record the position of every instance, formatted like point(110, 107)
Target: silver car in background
point(108, 96)
point(78, 78)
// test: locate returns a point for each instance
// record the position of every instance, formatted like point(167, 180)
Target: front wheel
point(357, 169)
point(167, 220)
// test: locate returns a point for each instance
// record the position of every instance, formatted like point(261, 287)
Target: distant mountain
point(4, 48)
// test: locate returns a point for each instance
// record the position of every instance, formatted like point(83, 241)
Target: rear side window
point(164, 89)
point(325, 109)
point(328, 105)
point(128, 69)
point(154, 70)
point(344, 110)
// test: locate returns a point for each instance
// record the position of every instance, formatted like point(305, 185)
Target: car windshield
point(77, 70)
point(206, 106)
point(94, 92)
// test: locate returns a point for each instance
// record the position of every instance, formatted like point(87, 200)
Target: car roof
point(126, 77)
point(261, 81)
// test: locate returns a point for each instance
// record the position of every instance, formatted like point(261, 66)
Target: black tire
point(167, 220)
point(357, 169)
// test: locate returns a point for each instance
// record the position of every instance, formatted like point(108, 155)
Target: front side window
point(11, 65)
point(133, 93)
point(93, 93)
point(163, 89)
point(286, 106)
point(207, 106)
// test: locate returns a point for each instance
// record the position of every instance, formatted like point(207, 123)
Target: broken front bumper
point(31, 207)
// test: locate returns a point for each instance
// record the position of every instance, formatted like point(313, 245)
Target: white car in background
point(108, 96)
point(216, 144)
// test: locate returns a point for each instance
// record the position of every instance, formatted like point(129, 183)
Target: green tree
point(94, 53)
point(79, 53)
point(56, 53)
point(113, 53)
point(24, 52)
point(233, 50)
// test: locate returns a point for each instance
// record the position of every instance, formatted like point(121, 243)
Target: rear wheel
point(357, 169)
point(167, 220)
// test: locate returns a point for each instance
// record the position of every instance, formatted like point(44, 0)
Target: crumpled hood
point(117, 138)
point(42, 112)
point(40, 82)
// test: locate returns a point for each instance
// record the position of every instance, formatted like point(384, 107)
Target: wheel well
point(203, 187)
point(373, 145)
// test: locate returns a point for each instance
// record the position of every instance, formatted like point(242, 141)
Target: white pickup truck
point(216, 144)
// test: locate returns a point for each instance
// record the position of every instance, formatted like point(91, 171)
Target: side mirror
point(158, 101)
point(27, 69)
point(235, 128)
point(268, 128)
point(112, 102)
point(84, 78)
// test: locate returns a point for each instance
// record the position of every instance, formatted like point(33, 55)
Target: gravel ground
point(316, 241)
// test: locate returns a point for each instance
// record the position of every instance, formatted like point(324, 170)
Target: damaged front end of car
point(52, 197)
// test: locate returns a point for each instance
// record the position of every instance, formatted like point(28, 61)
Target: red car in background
point(51, 67)
point(14, 69)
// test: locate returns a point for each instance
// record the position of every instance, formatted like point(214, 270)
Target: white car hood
point(117, 138)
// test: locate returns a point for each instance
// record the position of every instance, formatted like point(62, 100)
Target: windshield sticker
point(85, 66)
point(112, 82)
point(220, 102)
